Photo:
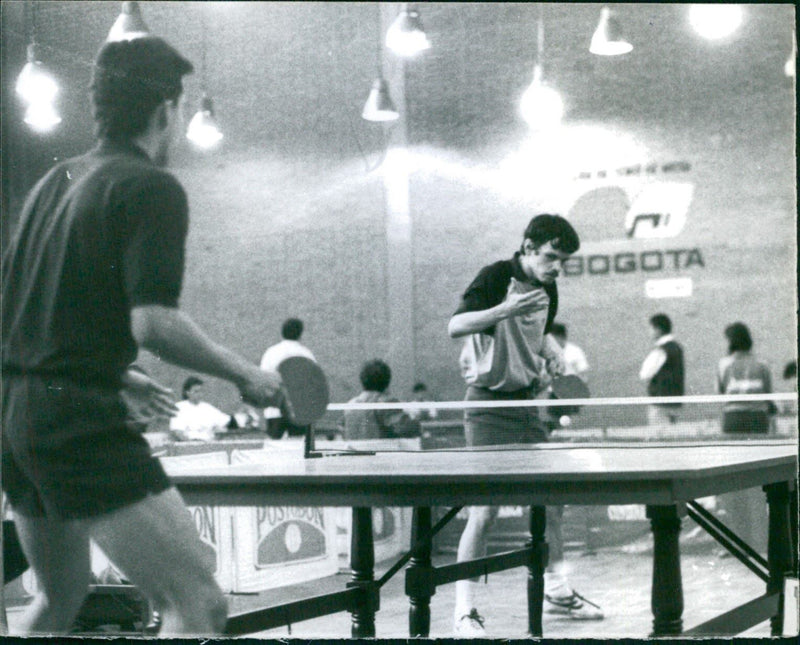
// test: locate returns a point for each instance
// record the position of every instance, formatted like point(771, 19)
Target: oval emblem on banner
point(289, 542)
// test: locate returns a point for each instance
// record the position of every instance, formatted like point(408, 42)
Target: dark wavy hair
point(552, 228)
point(375, 375)
point(130, 79)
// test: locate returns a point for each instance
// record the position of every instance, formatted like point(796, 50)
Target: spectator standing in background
point(740, 372)
point(663, 371)
point(289, 346)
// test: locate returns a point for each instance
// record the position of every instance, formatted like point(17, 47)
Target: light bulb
point(41, 116)
point(406, 37)
point(541, 106)
point(203, 130)
point(715, 21)
point(34, 83)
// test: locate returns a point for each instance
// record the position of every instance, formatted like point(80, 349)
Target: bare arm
point(175, 337)
point(472, 322)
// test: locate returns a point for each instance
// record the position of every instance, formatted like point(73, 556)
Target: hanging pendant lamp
point(129, 24)
point(203, 130)
point(406, 36)
point(541, 106)
point(379, 105)
point(607, 39)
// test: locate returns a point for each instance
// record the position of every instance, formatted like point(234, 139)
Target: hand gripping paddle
point(306, 389)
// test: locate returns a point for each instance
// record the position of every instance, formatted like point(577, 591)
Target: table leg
point(419, 576)
point(779, 546)
point(667, 592)
point(536, 566)
point(362, 563)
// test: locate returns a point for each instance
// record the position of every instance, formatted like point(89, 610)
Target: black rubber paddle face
point(569, 387)
point(306, 388)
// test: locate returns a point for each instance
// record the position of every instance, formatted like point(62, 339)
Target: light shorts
point(67, 451)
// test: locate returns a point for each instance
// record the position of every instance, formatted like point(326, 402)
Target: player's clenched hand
point(525, 303)
point(262, 388)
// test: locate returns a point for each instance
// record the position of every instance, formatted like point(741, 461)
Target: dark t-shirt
point(490, 287)
point(98, 235)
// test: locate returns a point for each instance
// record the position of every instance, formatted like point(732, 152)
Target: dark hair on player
point(554, 229)
point(130, 79)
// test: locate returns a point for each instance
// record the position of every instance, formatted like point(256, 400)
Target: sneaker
point(470, 626)
point(574, 606)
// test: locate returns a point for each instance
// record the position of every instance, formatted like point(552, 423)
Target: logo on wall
point(659, 210)
point(635, 203)
point(288, 534)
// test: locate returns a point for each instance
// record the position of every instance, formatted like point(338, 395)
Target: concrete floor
point(618, 579)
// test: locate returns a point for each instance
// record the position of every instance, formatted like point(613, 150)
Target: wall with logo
point(703, 229)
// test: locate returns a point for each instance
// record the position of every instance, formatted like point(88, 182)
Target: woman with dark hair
point(740, 372)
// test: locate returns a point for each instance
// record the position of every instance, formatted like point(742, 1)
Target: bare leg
point(58, 553)
point(474, 538)
point(472, 545)
point(554, 538)
point(155, 544)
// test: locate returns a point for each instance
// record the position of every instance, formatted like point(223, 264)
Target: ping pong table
point(665, 477)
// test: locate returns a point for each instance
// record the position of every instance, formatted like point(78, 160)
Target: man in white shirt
point(291, 331)
point(197, 420)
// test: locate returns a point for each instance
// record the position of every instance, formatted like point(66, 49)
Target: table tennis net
point(440, 425)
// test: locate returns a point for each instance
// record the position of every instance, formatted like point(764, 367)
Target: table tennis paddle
point(569, 386)
point(306, 389)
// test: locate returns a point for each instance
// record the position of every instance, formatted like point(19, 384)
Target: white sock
point(466, 591)
point(555, 585)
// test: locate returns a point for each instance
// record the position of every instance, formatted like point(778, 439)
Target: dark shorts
point(67, 451)
point(498, 426)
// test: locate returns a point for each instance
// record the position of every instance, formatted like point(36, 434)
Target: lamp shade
point(129, 24)
point(406, 36)
point(203, 130)
point(607, 39)
point(379, 105)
